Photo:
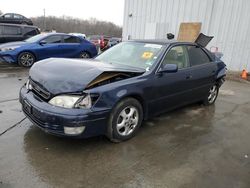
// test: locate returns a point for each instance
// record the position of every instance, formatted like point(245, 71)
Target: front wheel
point(26, 59)
point(125, 120)
point(212, 95)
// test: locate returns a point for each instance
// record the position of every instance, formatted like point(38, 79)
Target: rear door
point(203, 71)
point(71, 46)
point(18, 19)
point(29, 32)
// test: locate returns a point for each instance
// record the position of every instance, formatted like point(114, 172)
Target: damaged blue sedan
point(112, 94)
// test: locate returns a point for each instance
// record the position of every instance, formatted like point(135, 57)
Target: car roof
point(49, 34)
point(165, 42)
point(19, 25)
point(13, 14)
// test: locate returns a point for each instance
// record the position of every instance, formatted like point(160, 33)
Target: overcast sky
point(108, 10)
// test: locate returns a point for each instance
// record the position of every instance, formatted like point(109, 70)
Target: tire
point(84, 55)
point(26, 59)
point(125, 120)
point(212, 95)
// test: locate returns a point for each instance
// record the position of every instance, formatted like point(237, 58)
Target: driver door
point(172, 89)
point(50, 47)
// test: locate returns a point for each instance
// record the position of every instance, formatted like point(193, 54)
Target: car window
point(177, 55)
point(17, 16)
point(12, 30)
point(71, 39)
point(30, 31)
point(53, 39)
point(197, 56)
point(8, 16)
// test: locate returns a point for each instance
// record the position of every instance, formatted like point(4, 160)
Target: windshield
point(136, 54)
point(35, 38)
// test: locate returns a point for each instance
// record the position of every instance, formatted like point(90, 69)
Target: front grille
point(39, 90)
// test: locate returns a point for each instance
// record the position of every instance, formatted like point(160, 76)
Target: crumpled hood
point(59, 75)
point(10, 44)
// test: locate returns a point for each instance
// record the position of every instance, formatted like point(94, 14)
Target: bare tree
point(68, 24)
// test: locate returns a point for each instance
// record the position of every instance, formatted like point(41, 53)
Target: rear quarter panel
point(88, 47)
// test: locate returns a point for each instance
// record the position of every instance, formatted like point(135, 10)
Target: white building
point(227, 20)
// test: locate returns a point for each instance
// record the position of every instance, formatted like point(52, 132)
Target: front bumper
point(53, 119)
point(8, 57)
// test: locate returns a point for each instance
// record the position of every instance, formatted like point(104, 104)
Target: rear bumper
point(53, 119)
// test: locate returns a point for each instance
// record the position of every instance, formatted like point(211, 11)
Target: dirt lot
point(194, 146)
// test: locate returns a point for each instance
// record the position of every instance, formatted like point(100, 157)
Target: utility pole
point(44, 20)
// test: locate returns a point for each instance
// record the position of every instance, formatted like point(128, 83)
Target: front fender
point(111, 94)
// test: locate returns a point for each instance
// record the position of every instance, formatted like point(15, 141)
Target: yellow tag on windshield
point(147, 55)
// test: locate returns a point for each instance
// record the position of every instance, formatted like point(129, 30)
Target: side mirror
point(170, 36)
point(42, 42)
point(169, 68)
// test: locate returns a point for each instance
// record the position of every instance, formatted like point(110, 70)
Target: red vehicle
point(100, 41)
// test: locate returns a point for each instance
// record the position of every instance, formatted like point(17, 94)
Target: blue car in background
point(43, 46)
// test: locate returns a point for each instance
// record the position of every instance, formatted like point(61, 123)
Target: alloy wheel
point(212, 94)
point(84, 55)
point(27, 59)
point(127, 121)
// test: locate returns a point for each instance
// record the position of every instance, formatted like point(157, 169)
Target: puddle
point(226, 92)
point(194, 112)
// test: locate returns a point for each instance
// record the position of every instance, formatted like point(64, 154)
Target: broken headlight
point(28, 85)
point(84, 102)
point(72, 101)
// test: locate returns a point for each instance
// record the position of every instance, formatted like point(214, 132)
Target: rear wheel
point(26, 59)
point(84, 55)
point(125, 120)
point(212, 95)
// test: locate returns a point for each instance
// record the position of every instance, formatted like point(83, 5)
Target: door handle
point(189, 77)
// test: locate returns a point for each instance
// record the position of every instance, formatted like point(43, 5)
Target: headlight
point(72, 101)
point(9, 48)
point(84, 102)
point(28, 85)
point(65, 101)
